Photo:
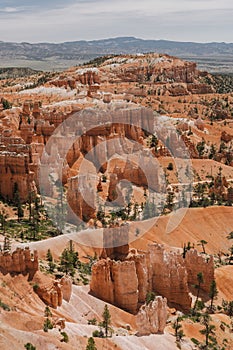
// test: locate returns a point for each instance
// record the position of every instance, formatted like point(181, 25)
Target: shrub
point(65, 338)
point(98, 334)
point(35, 287)
point(4, 306)
point(29, 346)
point(47, 325)
point(150, 297)
point(6, 104)
point(170, 167)
point(92, 322)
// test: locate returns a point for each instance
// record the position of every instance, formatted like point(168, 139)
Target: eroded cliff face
point(21, 261)
point(111, 283)
point(126, 282)
point(55, 292)
point(168, 276)
point(196, 263)
point(152, 318)
point(149, 68)
point(25, 130)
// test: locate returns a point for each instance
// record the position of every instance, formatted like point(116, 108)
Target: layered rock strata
point(21, 261)
point(157, 270)
point(152, 318)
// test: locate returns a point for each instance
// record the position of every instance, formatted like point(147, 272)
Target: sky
point(71, 20)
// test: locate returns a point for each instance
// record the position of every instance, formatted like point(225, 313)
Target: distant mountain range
point(217, 56)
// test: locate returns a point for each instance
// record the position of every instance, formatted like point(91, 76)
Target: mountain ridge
point(210, 56)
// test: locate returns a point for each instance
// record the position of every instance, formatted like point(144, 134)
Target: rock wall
point(81, 196)
point(20, 261)
point(110, 282)
point(66, 288)
point(102, 284)
point(168, 276)
point(126, 282)
point(52, 294)
point(152, 318)
point(196, 263)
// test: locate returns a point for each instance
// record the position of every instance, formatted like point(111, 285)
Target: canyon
point(126, 161)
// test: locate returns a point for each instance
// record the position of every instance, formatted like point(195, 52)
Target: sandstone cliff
point(151, 318)
point(126, 282)
point(20, 261)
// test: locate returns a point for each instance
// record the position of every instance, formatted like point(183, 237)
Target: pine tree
point(47, 312)
point(91, 344)
point(69, 260)
point(3, 221)
point(106, 320)
point(208, 330)
point(49, 256)
point(17, 202)
point(202, 243)
point(213, 293)
point(29, 346)
point(198, 287)
point(47, 325)
point(6, 244)
point(179, 334)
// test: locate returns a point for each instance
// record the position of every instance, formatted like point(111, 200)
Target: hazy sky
point(70, 20)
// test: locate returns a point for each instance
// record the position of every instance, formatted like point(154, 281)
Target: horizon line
point(114, 38)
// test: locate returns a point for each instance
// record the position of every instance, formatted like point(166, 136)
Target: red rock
point(152, 318)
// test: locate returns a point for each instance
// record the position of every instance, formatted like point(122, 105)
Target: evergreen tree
point(213, 293)
point(3, 221)
point(49, 256)
point(202, 243)
point(47, 312)
point(17, 202)
point(198, 287)
point(91, 344)
point(230, 308)
point(212, 151)
point(106, 320)
point(6, 244)
point(47, 325)
point(170, 200)
point(29, 346)
point(208, 331)
point(179, 334)
point(69, 260)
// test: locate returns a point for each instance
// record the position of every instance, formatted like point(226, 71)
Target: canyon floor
point(192, 112)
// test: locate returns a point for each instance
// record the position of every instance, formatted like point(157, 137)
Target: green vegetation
point(65, 337)
point(47, 312)
point(92, 322)
point(4, 306)
point(47, 325)
point(105, 324)
point(91, 344)
point(6, 104)
point(29, 346)
point(208, 331)
point(179, 334)
point(150, 296)
point(106, 320)
point(213, 294)
point(198, 287)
